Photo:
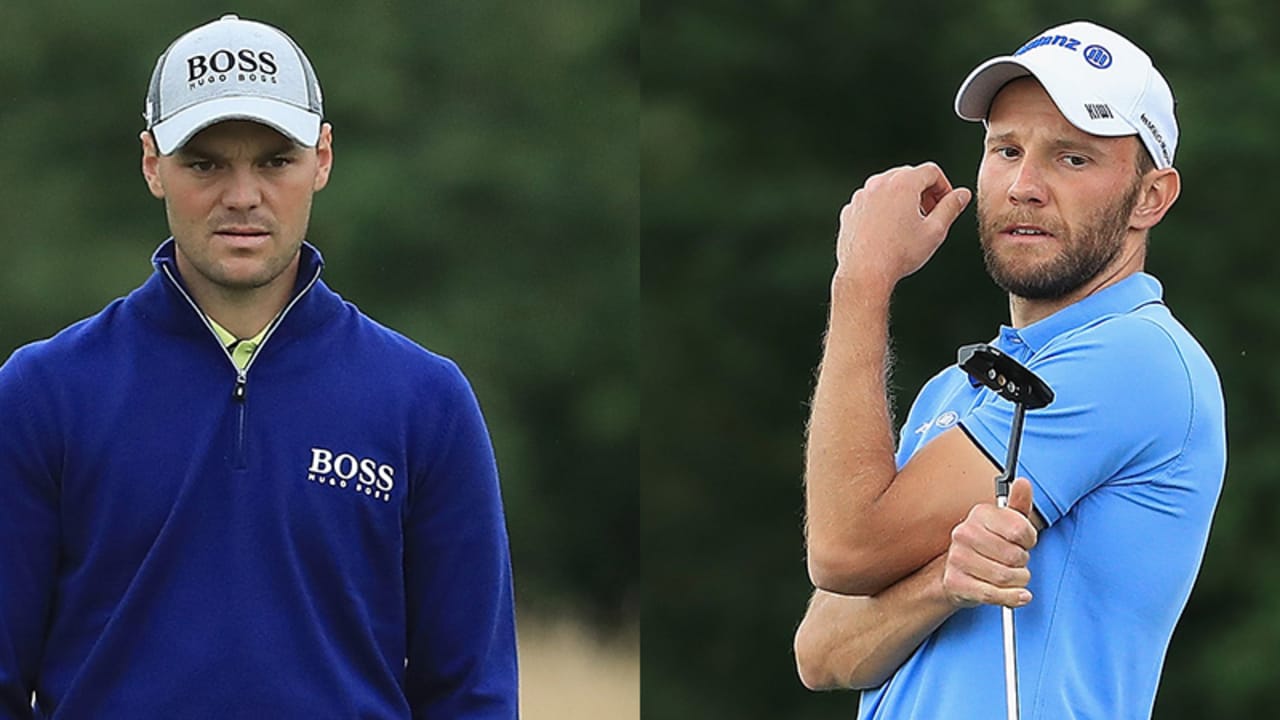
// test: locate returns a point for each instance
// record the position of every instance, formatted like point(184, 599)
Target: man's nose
point(243, 190)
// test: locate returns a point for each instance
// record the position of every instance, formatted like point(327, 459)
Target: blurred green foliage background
point(758, 122)
point(484, 201)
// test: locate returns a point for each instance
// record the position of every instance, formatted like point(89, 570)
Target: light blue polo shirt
point(1127, 464)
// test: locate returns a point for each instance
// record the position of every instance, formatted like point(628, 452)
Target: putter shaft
point(1011, 457)
point(1003, 482)
point(1010, 646)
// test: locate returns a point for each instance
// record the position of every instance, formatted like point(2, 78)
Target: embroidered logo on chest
point(344, 471)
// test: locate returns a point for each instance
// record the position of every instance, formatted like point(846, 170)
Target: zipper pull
point(239, 392)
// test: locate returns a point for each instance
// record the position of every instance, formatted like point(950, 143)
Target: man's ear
point(324, 156)
point(151, 164)
point(1160, 188)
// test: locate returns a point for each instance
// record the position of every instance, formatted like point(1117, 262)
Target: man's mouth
point(242, 235)
point(241, 231)
point(1026, 231)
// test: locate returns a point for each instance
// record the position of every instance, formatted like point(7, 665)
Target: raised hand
point(893, 224)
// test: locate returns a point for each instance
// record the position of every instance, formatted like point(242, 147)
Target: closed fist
point(893, 224)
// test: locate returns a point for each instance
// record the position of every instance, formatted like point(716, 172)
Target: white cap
point(233, 69)
point(1101, 82)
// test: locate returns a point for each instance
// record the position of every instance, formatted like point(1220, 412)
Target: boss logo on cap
point(1098, 56)
point(222, 65)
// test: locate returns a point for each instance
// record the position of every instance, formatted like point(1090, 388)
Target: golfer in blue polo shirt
point(1119, 476)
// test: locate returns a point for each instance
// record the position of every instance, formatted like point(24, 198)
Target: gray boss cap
point(233, 69)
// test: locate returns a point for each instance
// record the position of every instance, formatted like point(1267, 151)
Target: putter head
point(1008, 377)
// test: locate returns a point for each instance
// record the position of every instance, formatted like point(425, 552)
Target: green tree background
point(758, 121)
point(484, 201)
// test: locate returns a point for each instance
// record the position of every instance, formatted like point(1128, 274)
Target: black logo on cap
point(221, 65)
point(1098, 111)
point(1158, 137)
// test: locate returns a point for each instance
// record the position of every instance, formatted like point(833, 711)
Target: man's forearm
point(857, 642)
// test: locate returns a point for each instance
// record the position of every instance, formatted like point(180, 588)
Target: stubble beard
point(1086, 250)
point(217, 270)
point(222, 273)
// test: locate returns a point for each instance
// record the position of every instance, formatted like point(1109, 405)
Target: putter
point(1015, 383)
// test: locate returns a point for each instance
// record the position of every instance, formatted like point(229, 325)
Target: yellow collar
point(241, 350)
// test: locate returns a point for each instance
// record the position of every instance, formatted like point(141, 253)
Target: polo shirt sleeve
point(1122, 413)
point(28, 533)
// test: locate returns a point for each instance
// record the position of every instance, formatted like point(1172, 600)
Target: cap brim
point(973, 101)
point(298, 124)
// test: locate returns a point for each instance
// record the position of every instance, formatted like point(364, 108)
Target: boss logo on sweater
point(344, 471)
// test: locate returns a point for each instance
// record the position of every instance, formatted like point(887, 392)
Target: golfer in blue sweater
point(231, 494)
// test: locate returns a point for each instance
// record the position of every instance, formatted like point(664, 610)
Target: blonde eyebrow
point(1083, 146)
point(999, 139)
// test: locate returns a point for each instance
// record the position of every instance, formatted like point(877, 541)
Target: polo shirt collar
point(1125, 296)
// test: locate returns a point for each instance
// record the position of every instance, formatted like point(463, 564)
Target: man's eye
point(1076, 160)
point(279, 162)
point(201, 166)
point(1007, 152)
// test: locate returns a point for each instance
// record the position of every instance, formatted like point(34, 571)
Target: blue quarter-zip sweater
point(320, 536)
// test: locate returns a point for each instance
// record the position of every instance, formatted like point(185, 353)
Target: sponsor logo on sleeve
point(942, 422)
